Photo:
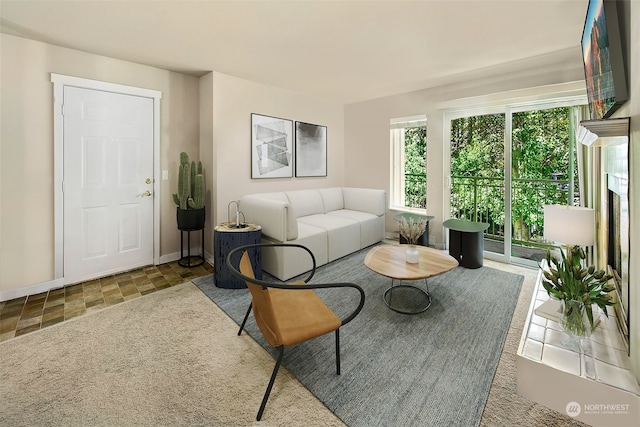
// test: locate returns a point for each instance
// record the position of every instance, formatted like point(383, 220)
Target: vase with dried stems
point(412, 229)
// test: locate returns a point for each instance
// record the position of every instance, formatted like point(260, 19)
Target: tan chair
point(289, 313)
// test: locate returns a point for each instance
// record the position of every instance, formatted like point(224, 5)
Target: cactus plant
point(191, 190)
point(184, 186)
point(197, 201)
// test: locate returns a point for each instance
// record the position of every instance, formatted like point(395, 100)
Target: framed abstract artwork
point(271, 147)
point(311, 150)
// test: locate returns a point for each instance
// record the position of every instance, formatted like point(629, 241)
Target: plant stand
point(188, 261)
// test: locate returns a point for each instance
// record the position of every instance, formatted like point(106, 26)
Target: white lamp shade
point(571, 225)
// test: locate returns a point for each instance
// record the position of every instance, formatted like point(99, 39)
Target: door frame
point(61, 81)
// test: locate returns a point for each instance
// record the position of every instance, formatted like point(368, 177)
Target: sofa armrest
point(271, 215)
point(365, 200)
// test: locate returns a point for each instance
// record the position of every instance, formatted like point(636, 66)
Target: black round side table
point(466, 241)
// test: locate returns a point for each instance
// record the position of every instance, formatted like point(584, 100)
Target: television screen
point(603, 61)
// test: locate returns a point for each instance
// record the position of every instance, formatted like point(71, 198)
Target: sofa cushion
point(332, 198)
point(371, 226)
point(365, 199)
point(267, 209)
point(353, 215)
point(326, 222)
point(305, 202)
point(343, 234)
point(285, 263)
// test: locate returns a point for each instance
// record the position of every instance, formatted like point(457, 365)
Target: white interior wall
point(234, 101)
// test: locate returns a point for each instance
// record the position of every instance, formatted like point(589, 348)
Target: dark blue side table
point(227, 236)
point(424, 239)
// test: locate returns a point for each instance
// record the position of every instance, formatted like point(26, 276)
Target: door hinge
point(63, 186)
point(62, 109)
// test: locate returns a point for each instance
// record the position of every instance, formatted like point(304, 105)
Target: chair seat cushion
point(301, 315)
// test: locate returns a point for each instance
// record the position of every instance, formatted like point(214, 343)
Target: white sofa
point(331, 222)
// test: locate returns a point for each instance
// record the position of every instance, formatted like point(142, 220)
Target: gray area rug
point(431, 369)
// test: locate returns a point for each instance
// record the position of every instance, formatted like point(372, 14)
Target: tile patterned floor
point(23, 315)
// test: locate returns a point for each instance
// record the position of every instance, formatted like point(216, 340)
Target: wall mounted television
point(604, 65)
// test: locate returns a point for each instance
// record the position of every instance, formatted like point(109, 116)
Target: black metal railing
point(481, 199)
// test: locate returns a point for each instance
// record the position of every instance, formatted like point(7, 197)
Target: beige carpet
point(173, 358)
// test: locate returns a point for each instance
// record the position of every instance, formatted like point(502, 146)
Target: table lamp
point(569, 225)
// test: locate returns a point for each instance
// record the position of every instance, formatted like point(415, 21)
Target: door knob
point(146, 193)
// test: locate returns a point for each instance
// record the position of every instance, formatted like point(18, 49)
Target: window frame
point(397, 156)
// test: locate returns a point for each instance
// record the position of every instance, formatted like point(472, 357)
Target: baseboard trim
point(38, 288)
point(175, 256)
point(169, 258)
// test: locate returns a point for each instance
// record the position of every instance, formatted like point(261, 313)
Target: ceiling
point(345, 51)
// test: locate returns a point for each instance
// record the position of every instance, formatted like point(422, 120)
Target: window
point(408, 163)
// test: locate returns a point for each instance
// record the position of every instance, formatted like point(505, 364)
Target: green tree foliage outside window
point(540, 153)
point(415, 145)
point(477, 169)
point(539, 172)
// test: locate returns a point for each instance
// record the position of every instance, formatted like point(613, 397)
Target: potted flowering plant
point(578, 288)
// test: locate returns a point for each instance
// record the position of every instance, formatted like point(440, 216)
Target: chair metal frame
point(288, 286)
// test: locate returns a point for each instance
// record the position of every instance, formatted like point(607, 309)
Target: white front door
point(107, 182)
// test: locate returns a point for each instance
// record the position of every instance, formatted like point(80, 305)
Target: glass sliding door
point(505, 166)
point(477, 174)
point(543, 172)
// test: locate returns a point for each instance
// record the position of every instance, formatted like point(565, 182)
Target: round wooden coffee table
point(389, 261)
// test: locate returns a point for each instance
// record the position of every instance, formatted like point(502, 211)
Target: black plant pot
point(190, 219)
